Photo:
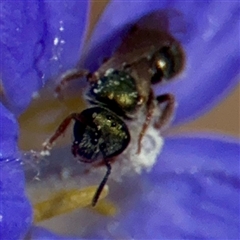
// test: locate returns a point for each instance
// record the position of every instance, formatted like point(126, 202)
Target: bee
point(120, 93)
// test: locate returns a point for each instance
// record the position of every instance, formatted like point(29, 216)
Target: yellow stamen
point(66, 201)
point(106, 208)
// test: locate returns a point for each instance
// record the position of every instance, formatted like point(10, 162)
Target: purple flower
point(36, 44)
point(193, 190)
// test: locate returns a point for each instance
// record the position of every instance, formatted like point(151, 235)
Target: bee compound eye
point(167, 62)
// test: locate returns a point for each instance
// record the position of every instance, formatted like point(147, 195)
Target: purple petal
point(37, 43)
point(15, 209)
point(192, 192)
point(8, 134)
point(208, 33)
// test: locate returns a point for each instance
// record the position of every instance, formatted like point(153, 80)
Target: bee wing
point(146, 34)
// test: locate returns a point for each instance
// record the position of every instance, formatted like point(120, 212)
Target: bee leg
point(167, 112)
point(47, 145)
point(150, 110)
point(74, 74)
point(68, 76)
point(102, 184)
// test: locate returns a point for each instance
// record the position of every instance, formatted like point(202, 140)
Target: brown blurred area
point(224, 118)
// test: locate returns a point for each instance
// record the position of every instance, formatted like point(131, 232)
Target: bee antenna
point(102, 184)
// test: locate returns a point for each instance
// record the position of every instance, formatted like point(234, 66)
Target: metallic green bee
point(120, 91)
